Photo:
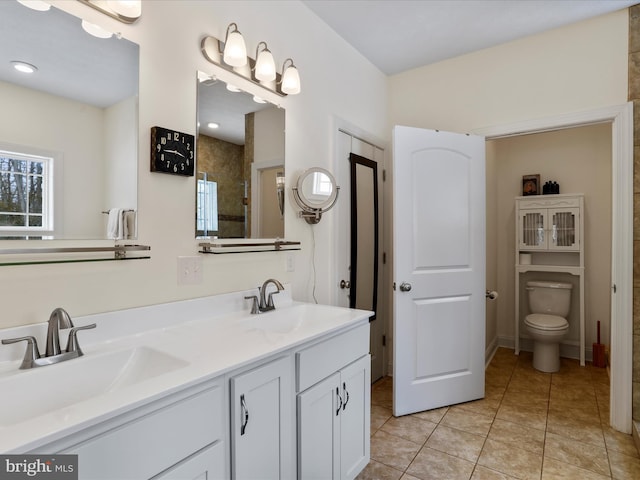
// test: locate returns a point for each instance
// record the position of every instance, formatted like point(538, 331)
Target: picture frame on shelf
point(530, 185)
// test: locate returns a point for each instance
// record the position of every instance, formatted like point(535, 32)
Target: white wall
point(335, 81)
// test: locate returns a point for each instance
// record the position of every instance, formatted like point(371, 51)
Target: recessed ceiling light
point(213, 125)
point(23, 67)
point(38, 5)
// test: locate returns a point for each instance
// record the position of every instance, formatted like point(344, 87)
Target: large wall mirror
point(240, 164)
point(69, 130)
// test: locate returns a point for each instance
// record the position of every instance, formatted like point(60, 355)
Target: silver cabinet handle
point(345, 284)
point(405, 287)
point(244, 414)
point(340, 400)
point(346, 395)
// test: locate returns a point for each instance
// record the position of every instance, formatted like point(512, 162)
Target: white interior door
point(439, 269)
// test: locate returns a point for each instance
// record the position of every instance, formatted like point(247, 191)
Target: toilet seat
point(542, 321)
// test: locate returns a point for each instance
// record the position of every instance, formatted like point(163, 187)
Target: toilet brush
point(598, 351)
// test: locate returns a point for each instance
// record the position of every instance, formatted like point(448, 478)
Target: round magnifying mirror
point(317, 188)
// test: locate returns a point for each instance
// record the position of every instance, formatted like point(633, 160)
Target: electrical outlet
point(189, 270)
point(291, 263)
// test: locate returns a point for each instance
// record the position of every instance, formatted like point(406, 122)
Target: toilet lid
point(546, 322)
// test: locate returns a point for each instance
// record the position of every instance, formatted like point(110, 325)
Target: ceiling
point(399, 35)
point(71, 63)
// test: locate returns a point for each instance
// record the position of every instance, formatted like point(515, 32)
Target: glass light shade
point(265, 66)
point(126, 8)
point(291, 81)
point(95, 30)
point(38, 5)
point(235, 50)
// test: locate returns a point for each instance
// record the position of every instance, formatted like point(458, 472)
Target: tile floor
point(530, 425)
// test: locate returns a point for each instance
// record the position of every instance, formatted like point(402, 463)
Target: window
point(321, 184)
point(25, 192)
point(207, 208)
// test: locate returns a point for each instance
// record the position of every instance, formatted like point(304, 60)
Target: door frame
point(621, 355)
point(385, 293)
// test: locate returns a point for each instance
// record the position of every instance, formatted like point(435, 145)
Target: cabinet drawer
point(321, 360)
point(156, 441)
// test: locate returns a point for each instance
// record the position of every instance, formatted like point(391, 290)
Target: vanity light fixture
point(95, 30)
point(290, 78)
point(38, 5)
point(23, 67)
point(265, 68)
point(235, 50)
point(126, 11)
point(232, 56)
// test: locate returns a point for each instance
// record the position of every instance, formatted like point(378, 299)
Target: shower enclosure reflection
point(239, 163)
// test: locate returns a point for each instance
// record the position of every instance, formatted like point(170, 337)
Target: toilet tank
point(551, 298)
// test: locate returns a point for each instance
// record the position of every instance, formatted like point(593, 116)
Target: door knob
point(345, 284)
point(405, 287)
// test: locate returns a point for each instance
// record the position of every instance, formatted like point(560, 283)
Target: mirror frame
point(312, 212)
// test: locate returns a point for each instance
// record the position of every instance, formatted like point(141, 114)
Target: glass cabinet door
point(533, 229)
point(564, 228)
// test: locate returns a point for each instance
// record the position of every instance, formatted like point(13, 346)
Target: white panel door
point(439, 269)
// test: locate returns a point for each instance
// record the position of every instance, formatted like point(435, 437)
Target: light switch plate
point(189, 270)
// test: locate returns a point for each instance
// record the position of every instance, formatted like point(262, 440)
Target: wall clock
point(172, 151)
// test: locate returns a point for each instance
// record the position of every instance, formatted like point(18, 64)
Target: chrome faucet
point(59, 319)
point(266, 305)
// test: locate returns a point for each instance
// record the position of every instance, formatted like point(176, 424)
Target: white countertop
point(207, 337)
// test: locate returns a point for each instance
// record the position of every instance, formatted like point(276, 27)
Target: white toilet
point(549, 303)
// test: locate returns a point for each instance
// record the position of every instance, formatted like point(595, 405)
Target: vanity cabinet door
point(355, 381)
point(262, 422)
point(334, 424)
point(319, 410)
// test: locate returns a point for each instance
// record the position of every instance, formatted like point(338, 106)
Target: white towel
point(115, 229)
point(129, 223)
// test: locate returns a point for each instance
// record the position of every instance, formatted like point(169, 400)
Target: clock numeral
point(188, 145)
point(187, 162)
point(191, 154)
point(163, 141)
point(175, 168)
point(158, 147)
point(162, 157)
point(176, 136)
point(182, 166)
point(168, 163)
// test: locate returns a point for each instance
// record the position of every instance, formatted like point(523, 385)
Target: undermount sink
point(31, 393)
point(283, 320)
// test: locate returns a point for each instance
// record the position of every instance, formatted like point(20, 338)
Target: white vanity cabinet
point(333, 405)
point(262, 421)
point(181, 436)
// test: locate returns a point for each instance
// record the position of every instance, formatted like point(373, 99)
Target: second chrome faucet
point(264, 303)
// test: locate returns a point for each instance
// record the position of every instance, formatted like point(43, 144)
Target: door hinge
point(384, 175)
point(384, 258)
point(384, 340)
point(394, 286)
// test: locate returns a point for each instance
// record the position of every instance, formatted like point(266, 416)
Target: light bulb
point(265, 66)
point(38, 5)
point(126, 8)
point(291, 80)
point(235, 50)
